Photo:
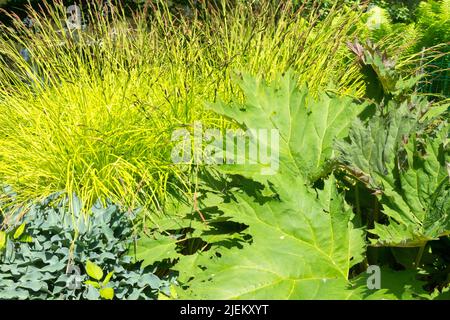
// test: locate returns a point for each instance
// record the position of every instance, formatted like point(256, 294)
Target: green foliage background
point(363, 173)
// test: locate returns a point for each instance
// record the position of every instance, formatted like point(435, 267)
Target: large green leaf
point(153, 250)
point(394, 285)
point(303, 243)
point(407, 168)
point(370, 154)
point(300, 250)
point(419, 202)
point(307, 127)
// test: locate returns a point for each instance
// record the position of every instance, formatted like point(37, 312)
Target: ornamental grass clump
point(90, 110)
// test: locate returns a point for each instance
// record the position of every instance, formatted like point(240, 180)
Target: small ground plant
point(50, 253)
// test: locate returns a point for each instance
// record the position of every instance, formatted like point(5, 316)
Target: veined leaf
point(408, 171)
point(303, 243)
point(419, 202)
point(153, 250)
point(300, 250)
point(307, 127)
point(370, 155)
point(394, 285)
point(94, 271)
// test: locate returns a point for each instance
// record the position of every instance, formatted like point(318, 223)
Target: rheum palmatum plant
point(305, 232)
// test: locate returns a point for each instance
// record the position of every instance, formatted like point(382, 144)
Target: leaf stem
point(358, 204)
point(419, 255)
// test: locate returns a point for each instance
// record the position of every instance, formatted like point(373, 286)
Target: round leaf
point(93, 270)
